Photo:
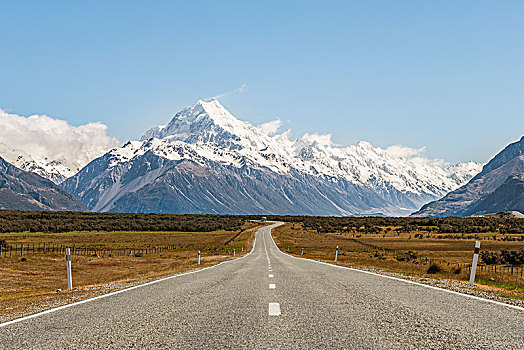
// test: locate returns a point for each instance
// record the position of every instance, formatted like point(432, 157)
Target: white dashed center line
point(270, 275)
point(274, 309)
point(272, 286)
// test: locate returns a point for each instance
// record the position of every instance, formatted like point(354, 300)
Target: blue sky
point(447, 75)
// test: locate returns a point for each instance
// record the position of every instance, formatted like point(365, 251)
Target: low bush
point(435, 268)
point(508, 257)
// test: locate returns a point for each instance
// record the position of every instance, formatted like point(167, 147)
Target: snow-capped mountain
point(56, 170)
point(24, 190)
point(206, 160)
point(51, 147)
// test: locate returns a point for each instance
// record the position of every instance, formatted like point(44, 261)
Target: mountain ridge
point(495, 173)
point(211, 138)
point(23, 190)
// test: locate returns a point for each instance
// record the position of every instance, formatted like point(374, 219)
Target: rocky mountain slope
point(206, 160)
point(475, 197)
point(508, 197)
point(22, 190)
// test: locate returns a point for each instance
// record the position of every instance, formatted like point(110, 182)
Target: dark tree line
point(42, 221)
point(45, 221)
point(323, 224)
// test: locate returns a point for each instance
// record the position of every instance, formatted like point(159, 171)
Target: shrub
point(434, 268)
point(510, 257)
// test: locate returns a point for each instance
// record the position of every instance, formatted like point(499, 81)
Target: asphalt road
point(312, 306)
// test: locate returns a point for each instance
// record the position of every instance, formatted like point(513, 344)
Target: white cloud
point(404, 152)
point(240, 90)
point(42, 136)
point(270, 128)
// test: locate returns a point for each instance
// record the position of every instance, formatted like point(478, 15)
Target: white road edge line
point(128, 289)
point(274, 309)
point(397, 278)
point(272, 286)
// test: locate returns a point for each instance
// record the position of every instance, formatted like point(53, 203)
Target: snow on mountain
point(206, 131)
point(56, 170)
point(51, 147)
point(207, 161)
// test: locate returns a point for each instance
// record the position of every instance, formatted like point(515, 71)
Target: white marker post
point(474, 264)
point(69, 275)
point(234, 252)
point(199, 257)
point(336, 254)
point(302, 251)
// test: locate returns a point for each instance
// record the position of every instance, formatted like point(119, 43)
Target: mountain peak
point(208, 121)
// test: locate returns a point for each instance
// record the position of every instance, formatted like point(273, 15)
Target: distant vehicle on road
point(263, 219)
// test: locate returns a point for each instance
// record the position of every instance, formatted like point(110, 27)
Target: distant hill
point(498, 187)
point(22, 190)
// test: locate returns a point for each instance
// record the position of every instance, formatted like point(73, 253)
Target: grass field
point(409, 255)
point(28, 282)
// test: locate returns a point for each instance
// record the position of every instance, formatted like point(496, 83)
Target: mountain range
point(498, 187)
point(23, 190)
point(56, 170)
point(207, 161)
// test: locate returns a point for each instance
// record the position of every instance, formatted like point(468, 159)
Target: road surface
point(269, 300)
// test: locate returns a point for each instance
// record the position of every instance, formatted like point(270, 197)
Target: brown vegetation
point(395, 251)
point(27, 282)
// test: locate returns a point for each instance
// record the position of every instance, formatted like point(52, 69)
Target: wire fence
point(21, 249)
point(517, 271)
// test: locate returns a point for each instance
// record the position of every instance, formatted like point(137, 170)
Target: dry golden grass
point(293, 237)
point(32, 280)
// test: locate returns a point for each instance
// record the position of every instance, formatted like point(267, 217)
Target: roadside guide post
point(69, 276)
point(336, 254)
point(199, 257)
point(474, 264)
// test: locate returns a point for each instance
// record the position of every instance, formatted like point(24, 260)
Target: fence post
point(474, 264)
point(69, 276)
point(22, 250)
point(336, 254)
